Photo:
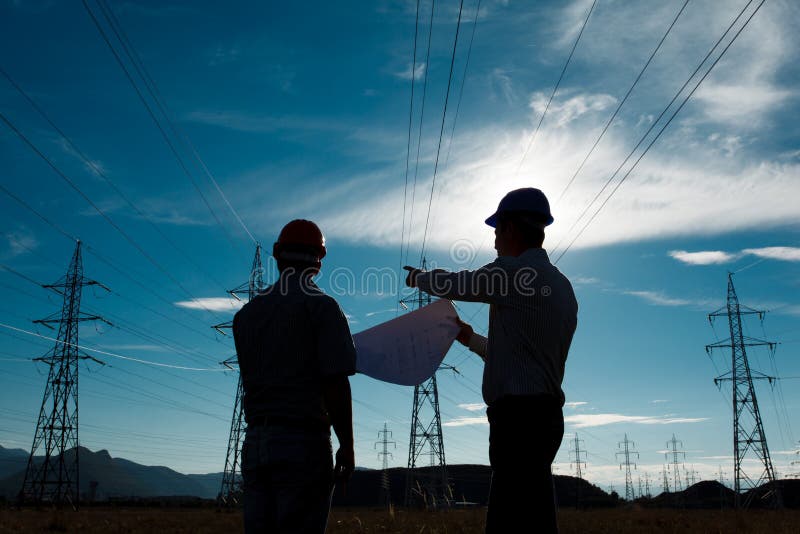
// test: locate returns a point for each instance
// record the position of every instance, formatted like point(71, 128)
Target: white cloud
point(603, 419)
point(211, 303)
point(703, 257)
point(575, 404)
point(658, 299)
point(775, 253)
point(419, 72)
point(473, 407)
point(584, 280)
point(658, 401)
point(467, 421)
point(567, 110)
point(20, 241)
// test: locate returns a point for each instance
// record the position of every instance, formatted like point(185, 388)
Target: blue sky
point(302, 111)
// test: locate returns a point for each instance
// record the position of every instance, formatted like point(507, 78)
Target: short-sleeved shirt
point(533, 315)
point(288, 340)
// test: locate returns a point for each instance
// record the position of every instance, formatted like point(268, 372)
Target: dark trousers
point(524, 435)
point(288, 480)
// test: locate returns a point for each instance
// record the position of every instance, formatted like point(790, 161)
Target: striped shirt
point(533, 314)
point(288, 339)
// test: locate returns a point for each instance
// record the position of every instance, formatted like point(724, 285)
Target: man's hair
point(530, 226)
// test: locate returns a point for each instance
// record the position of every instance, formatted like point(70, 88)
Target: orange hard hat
point(300, 240)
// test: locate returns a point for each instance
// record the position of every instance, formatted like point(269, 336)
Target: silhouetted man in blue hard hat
point(532, 318)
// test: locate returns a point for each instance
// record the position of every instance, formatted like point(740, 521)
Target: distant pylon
point(53, 473)
point(384, 454)
point(665, 479)
point(748, 431)
point(627, 452)
point(231, 490)
point(672, 455)
point(647, 484)
point(433, 489)
point(578, 454)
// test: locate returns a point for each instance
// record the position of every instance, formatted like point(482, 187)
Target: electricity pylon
point(748, 431)
point(665, 479)
point(384, 454)
point(231, 490)
point(647, 485)
point(434, 488)
point(672, 456)
point(627, 452)
point(578, 456)
point(55, 478)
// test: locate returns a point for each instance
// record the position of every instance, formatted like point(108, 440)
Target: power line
point(150, 112)
point(106, 353)
point(441, 132)
point(109, 263)
point(669, 121)
point(555, 88)
point(408, 148)
point(103, 214)
point(152, 88)
point(99, 172)
point(622, 102)
point(419, 137)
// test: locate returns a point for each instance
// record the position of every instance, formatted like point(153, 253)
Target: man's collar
point(535, 253)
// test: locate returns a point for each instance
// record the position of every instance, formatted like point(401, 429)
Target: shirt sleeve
point(490, 283)
point(335, 349)
point(477, 344)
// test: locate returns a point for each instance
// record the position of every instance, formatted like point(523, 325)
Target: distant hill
point(11, 461)
point(117, 477)
point(120, 479)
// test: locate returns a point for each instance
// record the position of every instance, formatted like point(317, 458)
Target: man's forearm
point(338, 400)
point(477, 344)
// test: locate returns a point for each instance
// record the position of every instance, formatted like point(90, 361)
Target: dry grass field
point(622, 521)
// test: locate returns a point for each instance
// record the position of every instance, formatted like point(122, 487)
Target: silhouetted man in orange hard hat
point(295, 355)
point(532, 318)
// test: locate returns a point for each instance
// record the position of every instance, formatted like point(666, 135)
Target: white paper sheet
point(407, 350)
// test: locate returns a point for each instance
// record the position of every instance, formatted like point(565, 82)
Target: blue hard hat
point(527, 199)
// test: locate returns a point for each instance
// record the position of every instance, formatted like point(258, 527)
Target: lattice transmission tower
point(672, 455)
point(384, 455)
point(578, 456)
point(627, 452)
point(429, 487)
point(231, 491)
point(54, 476)
point(749, 439)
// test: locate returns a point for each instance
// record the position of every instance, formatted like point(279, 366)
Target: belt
point(288, 422)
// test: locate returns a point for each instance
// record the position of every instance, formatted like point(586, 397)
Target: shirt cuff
point(477, 344)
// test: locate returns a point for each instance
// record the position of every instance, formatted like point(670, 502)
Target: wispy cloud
point(564, 111)
point(714, 257)
point(575, 404)
point(259, 123)
point(603, 419)
point(467, 421)
point(406, 74)
point(775, 253)
point(703, 257)
point(211, 303)
point(473, 407)
point(658, 401)
point(658, 299)
point(135, 347)
point(378, 312)
point(20, 241)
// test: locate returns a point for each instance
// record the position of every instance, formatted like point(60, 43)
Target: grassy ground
point(622, 521)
